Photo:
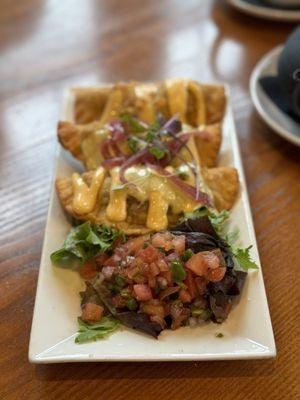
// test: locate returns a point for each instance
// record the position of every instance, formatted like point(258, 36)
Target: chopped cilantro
point(99, 330)
point(243, 258)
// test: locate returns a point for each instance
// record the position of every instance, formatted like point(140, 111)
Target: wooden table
point(48, 45)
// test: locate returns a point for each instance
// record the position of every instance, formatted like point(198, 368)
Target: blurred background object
point(289, 72)
point(275, 88)
point(277, 10)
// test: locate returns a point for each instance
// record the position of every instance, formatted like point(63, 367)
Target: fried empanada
point(215, 102)
point(89, 103)
point(84, 142)
point(99, 196)
point(194, 102)
point(224, 184)
point(141, 206)
point(137, 212)
point(208, 143)
point(71, 137)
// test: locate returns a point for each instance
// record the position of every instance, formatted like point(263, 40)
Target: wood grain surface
point(48, 45)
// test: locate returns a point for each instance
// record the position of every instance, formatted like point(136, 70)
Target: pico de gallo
point(165, 280)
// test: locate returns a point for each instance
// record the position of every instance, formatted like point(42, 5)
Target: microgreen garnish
point(157, 152)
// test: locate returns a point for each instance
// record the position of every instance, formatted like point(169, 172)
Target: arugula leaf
point(98, 330)
point(157, 152)
point(84, 242)
point(243, 258)
point(133, 124)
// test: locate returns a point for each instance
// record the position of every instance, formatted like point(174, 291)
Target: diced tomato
point(92, 312)
point(134, 245)
point(153, 269)
point(132, 272)
point(185, 296)
point(149, 254)
point(152, 282)
point(163, 240)
point(163, 265)
point(190, 283)
point(119, 301)
point(113, 261)
point(142, 292)
point(200, 263)
point(88, 270)
point(145, 270)
point(100, 260)
point(179, 244)
point(215, 275)
point(211, 259)
point(167, 275)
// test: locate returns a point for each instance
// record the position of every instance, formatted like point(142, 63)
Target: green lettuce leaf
point(84, 242)
point(98, 330)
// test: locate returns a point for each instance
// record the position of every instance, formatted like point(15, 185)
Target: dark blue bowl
point(289, 71)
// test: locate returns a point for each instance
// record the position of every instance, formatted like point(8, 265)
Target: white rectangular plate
point(247, 332)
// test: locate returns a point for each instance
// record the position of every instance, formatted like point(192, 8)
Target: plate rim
point(279, 15)
point(253, 82)
point(36, 358)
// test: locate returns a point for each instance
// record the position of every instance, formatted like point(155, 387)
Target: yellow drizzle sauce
point(85, 197)
point(146, 185)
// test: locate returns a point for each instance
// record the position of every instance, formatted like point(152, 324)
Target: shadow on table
point(259, 131)
point(173, 370)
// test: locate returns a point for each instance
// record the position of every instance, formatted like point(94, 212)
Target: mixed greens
point(185, 276)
